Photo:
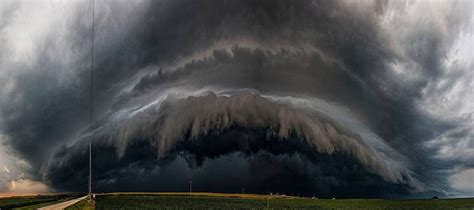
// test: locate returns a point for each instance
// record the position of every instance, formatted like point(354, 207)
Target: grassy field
point(13, 202)
point(249, 201)
point(81, 205)
point(34, 202)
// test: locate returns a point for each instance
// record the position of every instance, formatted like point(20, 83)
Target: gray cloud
point(388, 62)
point(196, 116)
point(286, 166)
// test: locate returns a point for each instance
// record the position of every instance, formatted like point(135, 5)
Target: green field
point(13, 202)
point(237, 201)
point(81, 205)
point(33, 202)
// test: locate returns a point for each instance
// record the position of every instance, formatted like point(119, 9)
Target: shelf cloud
point(326, 98)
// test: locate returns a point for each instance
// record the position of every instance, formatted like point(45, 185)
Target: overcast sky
point(334, 98)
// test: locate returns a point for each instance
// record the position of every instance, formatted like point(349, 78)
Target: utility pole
point(190, 188)
point(91, 102)
point(90, 170)
point(268, 202)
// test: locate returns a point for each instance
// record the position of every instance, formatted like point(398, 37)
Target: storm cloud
point(309, 97)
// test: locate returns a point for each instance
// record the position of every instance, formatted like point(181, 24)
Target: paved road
point(63, 205)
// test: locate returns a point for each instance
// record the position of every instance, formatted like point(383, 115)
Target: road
point(63, 205)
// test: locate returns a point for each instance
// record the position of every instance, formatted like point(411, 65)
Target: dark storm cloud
point(336, 51)
point(208, 127)
point(284, 166)
point(283, 71)
point(37, 113)
point(198, 115)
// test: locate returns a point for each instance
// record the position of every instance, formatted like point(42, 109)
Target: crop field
point(14, 202)
point(239, 201)
point(33, 202)
point(81, 205)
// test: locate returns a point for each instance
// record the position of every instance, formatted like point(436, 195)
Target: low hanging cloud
point(197, 128)
point(333, 94)
point(197, 116)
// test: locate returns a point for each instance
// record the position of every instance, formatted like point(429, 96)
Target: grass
point(35, 201)
point(208, 194)
point(84, 204)
point(14, 202)
point(252, 201)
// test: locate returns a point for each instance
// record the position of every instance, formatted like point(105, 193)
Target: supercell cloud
point(325, 98)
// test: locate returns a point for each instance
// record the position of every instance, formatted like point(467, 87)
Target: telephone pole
point(268, 202)
point(91, 104)
point(190, 188)
point(90, 170)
